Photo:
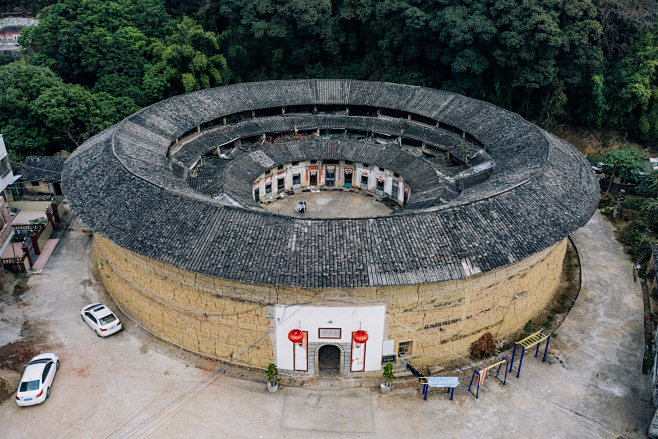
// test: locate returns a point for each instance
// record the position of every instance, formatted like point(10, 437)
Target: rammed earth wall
point(221, 318)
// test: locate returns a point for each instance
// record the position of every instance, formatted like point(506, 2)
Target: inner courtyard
point(331, 203)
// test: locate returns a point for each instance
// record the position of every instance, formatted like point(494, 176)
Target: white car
point(101, 319)
point(37, 379)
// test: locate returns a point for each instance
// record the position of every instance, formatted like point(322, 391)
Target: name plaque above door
point(329, 333)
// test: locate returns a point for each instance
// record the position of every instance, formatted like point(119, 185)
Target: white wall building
point(331, 173)
point(327, 328)
point(7, 177)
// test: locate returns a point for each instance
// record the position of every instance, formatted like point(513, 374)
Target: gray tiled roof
point(42, 168)
point(14, 23)
point(121, 183)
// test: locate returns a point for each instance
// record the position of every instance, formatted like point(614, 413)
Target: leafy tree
point(593, 108)
point(635, 92)
point(527, 56)
point(622, 21)
point(32, 6)
point(6, 59)
point(593, 62)
point(185, 7)
point(188, 60)
point(41, 114)
point(625, 163)
point(20, 85)
point(73, 111)
point(650, 206)
point(98, 44)
point(648, 186)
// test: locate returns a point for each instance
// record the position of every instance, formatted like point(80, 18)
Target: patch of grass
point(570, 283)
point(651, 358)
point(549, 321)
point(636, 238)
point(633, 203)
point(606, 200)
point(607, 211)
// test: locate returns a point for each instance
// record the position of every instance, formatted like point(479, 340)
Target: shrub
point(549, 321)
point(636, 237)
point(607, 211)
point(272, 374)
point(483, 347)
point(387, 372)
point(633, 204)
point(606, 200)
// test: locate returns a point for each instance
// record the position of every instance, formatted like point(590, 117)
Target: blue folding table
point(450, 382)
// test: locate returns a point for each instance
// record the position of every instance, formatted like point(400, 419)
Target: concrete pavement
point(131, 385)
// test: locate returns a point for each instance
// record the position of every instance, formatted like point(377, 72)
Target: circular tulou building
point(187, 202)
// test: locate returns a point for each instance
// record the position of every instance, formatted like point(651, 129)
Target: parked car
point(101, 319)
point(37, 379)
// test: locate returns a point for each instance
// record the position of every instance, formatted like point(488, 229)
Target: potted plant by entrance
point(272, 378)
point(387, 373)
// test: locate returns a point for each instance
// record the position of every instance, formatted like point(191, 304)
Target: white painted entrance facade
point(329, 325)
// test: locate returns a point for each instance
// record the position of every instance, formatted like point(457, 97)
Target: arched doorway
point(329, 360)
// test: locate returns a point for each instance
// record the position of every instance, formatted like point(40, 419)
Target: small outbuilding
point(42, 175)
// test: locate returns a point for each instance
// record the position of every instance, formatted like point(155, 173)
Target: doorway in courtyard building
point(330, 176)
point(364, 182)
point(348, 178)
point(329, 360)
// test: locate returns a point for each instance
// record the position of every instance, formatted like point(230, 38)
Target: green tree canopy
point(75, 112)
point(185, 61)
point(41, 114)
point(592, 62)
point(526, 56)
point(625, 163)
point(648, 185)
point(634, 94)
point(99, 44)
point(20, 85)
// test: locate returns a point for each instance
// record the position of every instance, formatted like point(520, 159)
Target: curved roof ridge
point(122, 184)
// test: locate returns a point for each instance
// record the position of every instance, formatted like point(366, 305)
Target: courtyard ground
point(331, 203)
point(132, 385)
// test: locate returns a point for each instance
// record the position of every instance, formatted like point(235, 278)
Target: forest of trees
point(92, 62)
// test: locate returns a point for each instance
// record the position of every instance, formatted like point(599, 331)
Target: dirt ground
point(331, 203)
point(19, 340)
point(595, 143)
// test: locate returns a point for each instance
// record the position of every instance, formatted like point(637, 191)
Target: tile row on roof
point(42, 168)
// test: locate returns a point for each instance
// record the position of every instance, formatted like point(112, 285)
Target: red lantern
point(360, 336)
point(295, 336)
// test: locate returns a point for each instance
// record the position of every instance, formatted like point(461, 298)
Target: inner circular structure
point(271, 158)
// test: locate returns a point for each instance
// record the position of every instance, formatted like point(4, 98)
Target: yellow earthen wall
point(221, 318)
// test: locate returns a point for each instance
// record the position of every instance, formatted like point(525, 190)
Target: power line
point(183, 399)
point(22, 165)
point(154, 421)
point(197, 388)
point(174, 305)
